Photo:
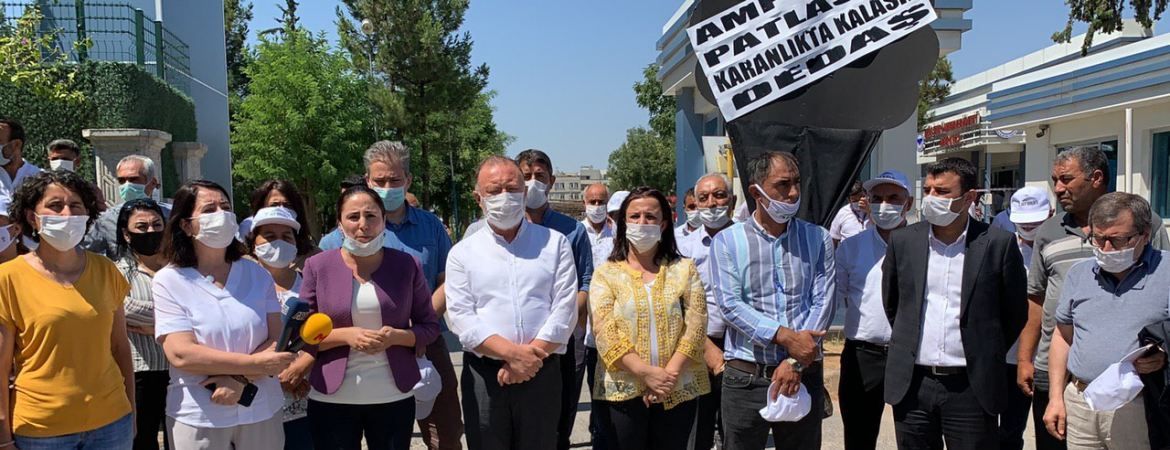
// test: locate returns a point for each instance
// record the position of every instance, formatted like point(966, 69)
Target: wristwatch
point(796, 365)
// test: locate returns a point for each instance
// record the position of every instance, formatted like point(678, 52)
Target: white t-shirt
point(846, 224)
point(368, 380)
point(232, 319)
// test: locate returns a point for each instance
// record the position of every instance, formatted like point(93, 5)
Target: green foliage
point(27, 56)
point(422, 63)
point(303, 121)
point(236, 15)
point(933, 89)
point(645, 159)
point(115, 95)
point(649, 95)
point(1105, 16)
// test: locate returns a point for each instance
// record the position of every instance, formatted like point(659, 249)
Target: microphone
point(295, 314)
point(316, 328)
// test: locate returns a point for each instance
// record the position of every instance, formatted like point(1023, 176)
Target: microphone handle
point(297, 345)
point(285, 335)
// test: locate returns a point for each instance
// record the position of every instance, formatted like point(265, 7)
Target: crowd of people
point(120, 323)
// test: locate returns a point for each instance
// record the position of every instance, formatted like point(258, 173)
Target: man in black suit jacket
point(955, 293)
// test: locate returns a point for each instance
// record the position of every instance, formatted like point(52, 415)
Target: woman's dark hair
point(290, 192)
point(32, 190)
point(177, 247)
point(128, 209)
point(359, 190)
point(667, 247)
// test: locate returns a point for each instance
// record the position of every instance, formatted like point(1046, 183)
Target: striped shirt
point(139, 306)
point(1061, 243)
point(762, 283)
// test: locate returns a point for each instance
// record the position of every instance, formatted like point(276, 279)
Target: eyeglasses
point(1116, 242)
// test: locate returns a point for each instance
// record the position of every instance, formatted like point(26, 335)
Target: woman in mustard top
point(61, 322)
point(650, 318)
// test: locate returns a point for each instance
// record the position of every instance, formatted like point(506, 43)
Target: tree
point(648, 94)
point(424, 68)
point(1105, 16)
point(236, 15)
point(28, 57)
point(645, 159)
point(303, 121)
point(933, 89)
point(288, 21)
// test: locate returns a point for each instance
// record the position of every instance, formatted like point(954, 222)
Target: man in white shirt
point(15, 168)
point(715, 198)
point(512, 296)
point(690, 223)
point(600, 232)
point(1030, 207)
point(852, 218)
point(867, 330)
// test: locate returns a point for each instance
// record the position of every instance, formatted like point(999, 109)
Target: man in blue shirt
point(388, 173)
point(772, 277)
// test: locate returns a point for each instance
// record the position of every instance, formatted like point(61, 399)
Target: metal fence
point(117, 32)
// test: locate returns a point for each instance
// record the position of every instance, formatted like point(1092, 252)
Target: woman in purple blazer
point(381, 309)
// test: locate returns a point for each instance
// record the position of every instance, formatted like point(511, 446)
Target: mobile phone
point(246, 397)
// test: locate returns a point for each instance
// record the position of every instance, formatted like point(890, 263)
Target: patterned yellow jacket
point(621, 314)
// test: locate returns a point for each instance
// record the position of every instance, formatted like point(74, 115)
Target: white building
point(570, 187)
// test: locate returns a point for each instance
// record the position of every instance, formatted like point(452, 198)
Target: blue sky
point(564, 70)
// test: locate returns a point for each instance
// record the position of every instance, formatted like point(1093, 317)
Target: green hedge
point(117, 95)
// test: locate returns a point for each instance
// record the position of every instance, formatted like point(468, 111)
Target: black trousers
point(744, 394)
point(943, 408)
point(1014, 419)
point(707, 420)
point(150, 401)
point(862, 394)
point(386, 426)
point(572, 375)
point(631, 425)
point(513, 417)
point(596, 438)
point(1044, 441)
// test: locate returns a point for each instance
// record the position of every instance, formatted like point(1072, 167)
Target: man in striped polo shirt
point(1080, 176)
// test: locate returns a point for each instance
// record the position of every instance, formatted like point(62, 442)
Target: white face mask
point(643, 237)
point(887, 216)
point(536, 195)
point(63, 232)
point(938, 210)
point(363, 249)
point(1027, 235)
point(61, 164)
point(779, 211)
point(596, 214)
point(217, 229)
point(277, 254)
point(693, 219)
point(714, 217)
point(6, 237)
point(1116, 261)
point(504, 210)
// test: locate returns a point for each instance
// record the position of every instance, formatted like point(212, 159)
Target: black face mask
point(146, 244)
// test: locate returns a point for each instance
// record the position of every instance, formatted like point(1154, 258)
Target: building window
point(1161, 178)
point(1110, 149)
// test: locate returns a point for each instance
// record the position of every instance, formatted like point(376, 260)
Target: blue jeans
point(115, 436)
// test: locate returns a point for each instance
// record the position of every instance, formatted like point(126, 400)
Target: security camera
point(1043, 130)
point(367, 27)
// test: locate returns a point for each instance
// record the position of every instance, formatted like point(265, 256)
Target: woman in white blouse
point(217, 317)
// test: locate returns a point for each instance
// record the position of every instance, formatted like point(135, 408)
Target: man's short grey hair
point(1089, 158)
point(586, 190)
point(760, 166)
point(1109, 208)
point(720, 175)
point(388, 152)
point(147, 165)
point(495, 160)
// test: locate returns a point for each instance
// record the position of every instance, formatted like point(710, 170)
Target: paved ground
point(832, 431)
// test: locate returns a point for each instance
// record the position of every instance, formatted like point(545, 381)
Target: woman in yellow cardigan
point(650, 318)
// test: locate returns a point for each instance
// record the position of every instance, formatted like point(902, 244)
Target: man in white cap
point(1106, 301)
point(867, 330)
point(1030, 207)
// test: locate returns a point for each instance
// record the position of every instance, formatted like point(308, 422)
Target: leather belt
point(868, 346)
point(760, 370)
point(1081, 385)
point(941, 371)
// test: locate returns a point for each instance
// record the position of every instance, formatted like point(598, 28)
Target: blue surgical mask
point(392, 198)
point(132, 191)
